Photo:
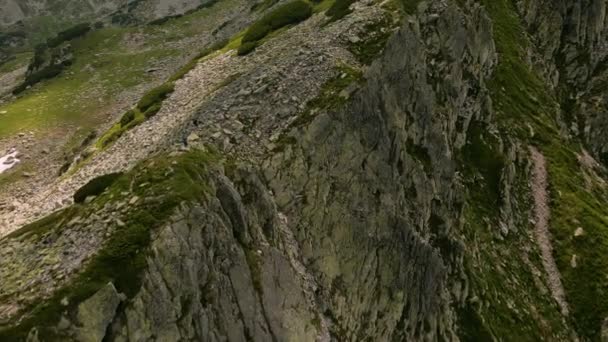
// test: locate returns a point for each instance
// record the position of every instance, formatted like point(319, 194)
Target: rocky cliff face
point(406, 175)
point(570, 44)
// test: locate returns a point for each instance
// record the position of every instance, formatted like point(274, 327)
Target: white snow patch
point(9, 160)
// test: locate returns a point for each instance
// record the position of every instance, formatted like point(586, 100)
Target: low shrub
point(42, 74)
point(111, 137)
point(246, 48)
point(69, 34)
point(264, 5)
point(147, 107)
point(482, 155)
point(290, 13)
point(339, 9)
point(88, 139)
point(152, 110)
point(127, 118)
point(155, 96)
point(95, 187)
point(46, 72)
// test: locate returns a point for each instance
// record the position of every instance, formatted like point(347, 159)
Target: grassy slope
point(39, 28)
point(104, 68)
point(519, 310)
point(522, 99)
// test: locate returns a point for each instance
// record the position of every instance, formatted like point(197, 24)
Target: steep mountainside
point(326, 170)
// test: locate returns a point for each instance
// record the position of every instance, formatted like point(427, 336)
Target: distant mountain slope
point(35, 20)
point(13, 11)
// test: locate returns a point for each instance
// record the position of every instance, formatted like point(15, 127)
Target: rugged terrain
point(400, 170)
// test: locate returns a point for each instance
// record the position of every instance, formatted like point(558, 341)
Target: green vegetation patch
point(287, 14)
point(339, 9)
point(147, 107)
point(374, 39)
point(45, 52)
point(264, 5)
point(247, 48)
point(127, 118)
point(104, 66)
point(334, 94)
point(206, 4)
point(290, 13)
point(40, 75)
point(169, 181)
point(43, 225)
point(69, 34)
point(481, 156)
point(155, 96)
point(321, 5)
point(152, 110)
point(575, 203)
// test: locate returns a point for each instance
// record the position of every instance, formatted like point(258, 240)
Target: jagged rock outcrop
point(570, 43)
point(226, 269)
point(569, 35)
point(96, 313)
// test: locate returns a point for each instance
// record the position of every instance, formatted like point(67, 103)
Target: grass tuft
point(155, 96)
point(287, 14)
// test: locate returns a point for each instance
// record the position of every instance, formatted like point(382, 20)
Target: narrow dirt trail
point(542, 213)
